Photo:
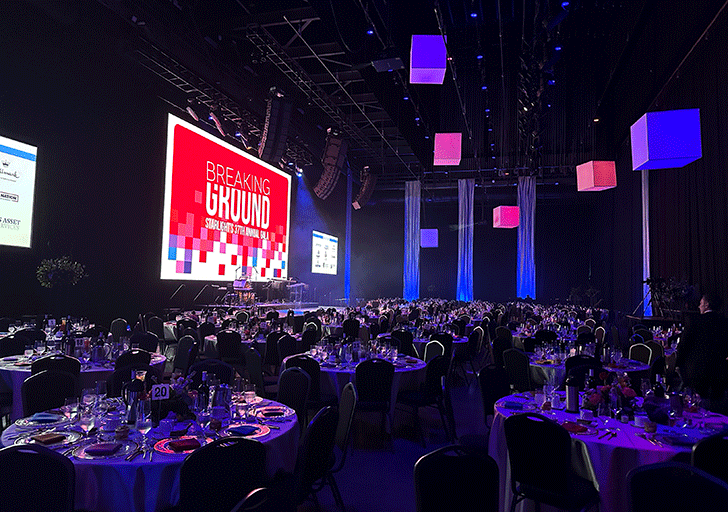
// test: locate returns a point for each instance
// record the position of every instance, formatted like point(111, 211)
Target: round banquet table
point(13, 371)
point(141, 485)
point(459, 343)
point(611, 457)
point(544, 370)
point(409, 372)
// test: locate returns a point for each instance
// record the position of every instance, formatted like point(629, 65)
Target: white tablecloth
point(118, 485)
point(611, 458)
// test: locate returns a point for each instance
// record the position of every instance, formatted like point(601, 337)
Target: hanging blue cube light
point(666, 140)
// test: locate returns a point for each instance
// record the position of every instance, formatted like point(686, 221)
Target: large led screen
point(17, 187)
point(324, 251)
point(223, 210)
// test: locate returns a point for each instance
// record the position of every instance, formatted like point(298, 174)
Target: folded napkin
point(101, 449)
point(274, 413)
point(182, 445)
point(44, 417)
point(48, 438)
point(243, 430)
point(518, 406)
point(574, 428)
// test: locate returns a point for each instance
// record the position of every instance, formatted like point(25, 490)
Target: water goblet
point(39, 347)
point(28, 353)
point(144, 419)
point(89, 397)
point(70, 408)
point(51, 345)
point(86, 420)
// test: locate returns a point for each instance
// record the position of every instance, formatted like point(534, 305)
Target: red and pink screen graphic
point(226, 211)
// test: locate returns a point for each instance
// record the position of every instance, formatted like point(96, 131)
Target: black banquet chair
point(58, 362)
point(674, 486)
point(132, 357)
point(315, 452)
point(215, 477)
point(374, 386)
point(47, 390)
point(456, 477)
point(545, 475)
point(710, 454)
point(293, 386)
point(35, 478)
point(518, 368)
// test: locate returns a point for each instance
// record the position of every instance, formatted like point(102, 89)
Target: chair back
point(640, 352)
point(374, 381)
point(58, 362)
point(657, 349)
point(674, 486)
point(351, 327)
point(229, 345)
point(254, 367)
point(531, 465)
point(47, 390)
point(286, 346)
point(433, 349)
point(645, 333)
point(223, 371)
point(545, 336)
point(132, 357)
point(293, 386)
point(31, 335)
point(493, 383)
point(446, 340)
point(406, 345)
point(347, 408)
point(271, 348)
point(309, 338)
point(583, 329)
point(215, 477)
point(710, 454)
point(118, 328)
point(436, 368)
point(156, 325)
point(591, 323)
point(657, 367)
point(456, 477)
point(312, 368)
point(518, 368)
point(187, 349)
point(599, 334)
point(147, 341)
point(315, 451)
point(206, 329)
point(34, 477)
point(298, 323)
point(12, 345)
point(242, 316)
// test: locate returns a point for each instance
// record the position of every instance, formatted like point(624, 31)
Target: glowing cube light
point(428, 59)
point(666, 140)
point(596, 175)
point(505, 217)
point(448, 147)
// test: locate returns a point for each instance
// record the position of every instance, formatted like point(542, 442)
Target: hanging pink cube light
point(448, 147)
point(666, 140)
point(596, 175)
point(505, 217)
point(428, 59)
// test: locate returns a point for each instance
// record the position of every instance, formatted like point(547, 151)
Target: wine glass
point(144, 419)
point(100, 393)
point(51, 345)
point(39, 347)
point(70, 408)
point(28, 353)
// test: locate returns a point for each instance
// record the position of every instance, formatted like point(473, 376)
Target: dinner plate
point(676, 439)
point(29, 422)
point(260, 430)
point(274, 411)
point(239, 399)
point(69, 437)
point(127, 446)
point(10, 359)
point(163, 445)
point(590, 431)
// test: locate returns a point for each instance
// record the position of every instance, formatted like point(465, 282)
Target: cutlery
point(605, 434)
point(133, 454)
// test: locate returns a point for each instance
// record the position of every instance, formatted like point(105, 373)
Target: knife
point(133, 454)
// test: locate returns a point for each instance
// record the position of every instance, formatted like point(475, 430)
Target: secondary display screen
point(17, 189)
point(324, 253)
point(223, 210)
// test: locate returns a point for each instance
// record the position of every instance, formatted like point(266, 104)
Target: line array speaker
point(333, 162)
point(277, 119)
point(368, 180)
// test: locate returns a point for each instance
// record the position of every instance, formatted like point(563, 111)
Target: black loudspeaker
point(333, 161)
point(368, 180)
point(277, 119)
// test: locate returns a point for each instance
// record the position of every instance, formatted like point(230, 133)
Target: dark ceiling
point(526, 79)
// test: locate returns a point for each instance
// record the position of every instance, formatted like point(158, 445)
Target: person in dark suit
point(703, 349)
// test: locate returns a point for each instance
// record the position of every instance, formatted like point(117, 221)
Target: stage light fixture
point(218, 124)
point(370, 32)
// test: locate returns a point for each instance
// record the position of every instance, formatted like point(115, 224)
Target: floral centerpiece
point(60, 271)
point(614, 387)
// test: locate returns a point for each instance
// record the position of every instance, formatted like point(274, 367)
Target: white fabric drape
point(466, 195)
point(526, 274)
point(412, 240)
point(647, 310)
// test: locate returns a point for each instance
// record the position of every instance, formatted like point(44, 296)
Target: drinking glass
point(144, 418)
point(28, 351)
point(40, 347)
point(51, 345)
point(86, 420)
point(70, 408)
point(89, 397)
point(645, 386)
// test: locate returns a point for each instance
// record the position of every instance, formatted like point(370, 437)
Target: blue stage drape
point(412, 240)
point(526, 278)
point(466, 191)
